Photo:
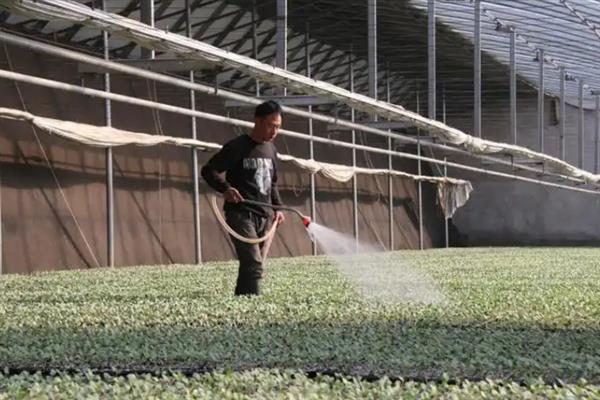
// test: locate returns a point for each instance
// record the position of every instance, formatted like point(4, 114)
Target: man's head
point(267, 121)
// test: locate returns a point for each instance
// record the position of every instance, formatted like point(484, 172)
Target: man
point(250, 166)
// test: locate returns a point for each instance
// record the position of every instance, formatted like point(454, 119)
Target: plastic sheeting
point(452, 193)
point(158, 39)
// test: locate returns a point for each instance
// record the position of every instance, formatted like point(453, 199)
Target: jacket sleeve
point(223, 160)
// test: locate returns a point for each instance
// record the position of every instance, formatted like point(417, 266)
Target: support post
point(110, 209)
point(431, 60)
point(513, 86)
point(597, 135)
point(195, 174)
point(311, 145)
point(446, 219)
point(477, 71)
point(354, 178)
point(580, 126)
point(562, 116)
point(281, 39)
point(540, 104)
point(390, 168)
point(372, 47)
point(255, 45)
point(419, 183)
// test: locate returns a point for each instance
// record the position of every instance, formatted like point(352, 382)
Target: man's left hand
point(279, 217)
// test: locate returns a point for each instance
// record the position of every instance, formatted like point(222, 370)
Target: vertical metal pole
point(281, 45)
point(420, 183)
point(311, 148)
point(431, 96)
point(477, 71)
point(1, 225)
point(391, 168)
point(195, 175)
point(255, 44)
point(540, 105)
point(110, 209)
point(597, 135)
point(446, 225)
point(446, 219)
point(354, 178)
point(444, 102)
point(513, 86)
point(147, 17)
point(431, 59)
point(563, 116)
point(372, 47)
point(580, 125)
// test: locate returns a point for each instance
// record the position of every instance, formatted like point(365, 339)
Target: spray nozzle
point(306, 220)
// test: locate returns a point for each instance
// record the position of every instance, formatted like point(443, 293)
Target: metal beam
point(446, 222)
point(311, 147)
point(1, 226)
point(354, 178)
point(597, 135)
point(228, 28)
point(513, 86)
point(562, 116)
point(540, 103)
point(372, 47)
point(209, 21)
point(110, 205)
point(147, 17)
point(373, 124)
point(477, 71)
point(390, 168)
point(156, 65)
point(255, 45)
point(194, 129)
point(340, 61)
point(431, 59)
point(420, 183)
point(580, 126)
point(281, 46)
point(183, 18)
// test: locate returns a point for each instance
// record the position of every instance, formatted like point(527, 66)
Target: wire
point(49, 164)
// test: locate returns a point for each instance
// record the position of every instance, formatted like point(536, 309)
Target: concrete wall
point(504, 212)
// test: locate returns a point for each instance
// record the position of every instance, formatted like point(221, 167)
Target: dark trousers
point(250, 225)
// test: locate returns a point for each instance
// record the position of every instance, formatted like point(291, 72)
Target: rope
point(50, 167)
point(215, 208)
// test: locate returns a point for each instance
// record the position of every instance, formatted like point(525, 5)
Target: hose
point(215, 207)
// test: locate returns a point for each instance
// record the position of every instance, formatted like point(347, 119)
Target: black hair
point(267, 108)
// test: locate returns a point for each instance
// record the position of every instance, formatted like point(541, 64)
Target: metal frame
point(477, 69)
point(331, 70)
point(580, 127)
point(110, 196)
point(311, 149)
point(195, 172)
point(540, 100)
point(354, 178)
point(513, 86)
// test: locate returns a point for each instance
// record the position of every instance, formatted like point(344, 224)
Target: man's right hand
point(233, 196)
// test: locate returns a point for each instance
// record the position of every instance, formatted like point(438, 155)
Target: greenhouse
point(405, 190)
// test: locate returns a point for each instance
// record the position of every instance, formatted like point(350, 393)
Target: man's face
point(268, 127)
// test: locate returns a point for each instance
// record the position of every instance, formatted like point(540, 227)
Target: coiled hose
point(268, 236)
